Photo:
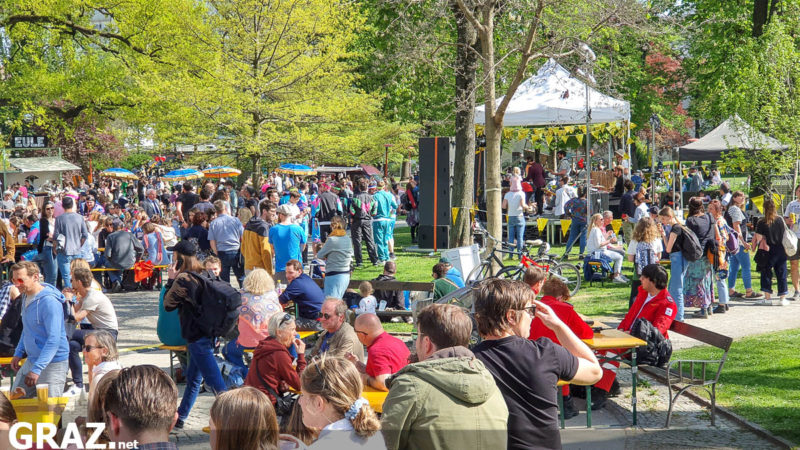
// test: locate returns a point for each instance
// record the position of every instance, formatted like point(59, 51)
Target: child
point(213, 265)
point(516, 180)
point(368, 301)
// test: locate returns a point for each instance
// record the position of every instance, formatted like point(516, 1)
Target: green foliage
point(761, 165)
point(134, 161)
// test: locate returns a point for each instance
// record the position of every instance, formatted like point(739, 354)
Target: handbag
point(789, 240)
point(284, 404)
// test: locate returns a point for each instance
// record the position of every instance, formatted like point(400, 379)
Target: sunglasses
point(88, 348)
point(531, 310)
point(286, 318)
point(49, 208)
point(325, 316)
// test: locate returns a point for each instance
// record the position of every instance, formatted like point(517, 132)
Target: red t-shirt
point(386, 355)
point(567, 314)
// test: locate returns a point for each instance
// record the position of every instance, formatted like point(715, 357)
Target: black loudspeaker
point(436, 159)
point(434, 237)
point(600, 202)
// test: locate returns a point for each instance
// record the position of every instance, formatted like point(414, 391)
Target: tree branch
point(471, 17)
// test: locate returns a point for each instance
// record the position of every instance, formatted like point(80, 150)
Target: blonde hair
point(244, 418)
point(79, 263)
point(645, 231)
point(258, 282)
point(338, 382)
point(592, 220)
point(365, 288)
point(337, 226)
point(106, 340)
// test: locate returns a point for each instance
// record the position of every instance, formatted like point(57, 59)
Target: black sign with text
point(29, 142)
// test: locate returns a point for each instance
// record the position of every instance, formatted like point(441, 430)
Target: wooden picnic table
point(375, 398)
point(612, 339)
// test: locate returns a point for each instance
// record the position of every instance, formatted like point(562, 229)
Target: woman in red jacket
point(555, 295)
point(271, 370)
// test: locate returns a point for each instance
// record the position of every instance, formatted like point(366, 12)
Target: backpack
point(645, 255)
point(658, 349)
point(591, 273)
point(690, 245)
point(217, 313)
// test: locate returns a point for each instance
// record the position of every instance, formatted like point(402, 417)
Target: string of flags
point(563, 133)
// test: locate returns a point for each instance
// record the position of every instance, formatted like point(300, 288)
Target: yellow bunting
point(540, 224)
point(569, 129)
point(777, 198)
point(616, 224)
point(565, 138)
point(579, 137)
point(455, 215)
point(565, 223)
point(758, 202)
point(632, 126)
point(507, 133)
point(561, 132)
point(549, 139)
point(686, 214)
point(596, 134)
point(582, 128)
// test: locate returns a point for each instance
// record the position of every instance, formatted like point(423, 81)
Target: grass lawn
point(761, 380)
point(609, 301)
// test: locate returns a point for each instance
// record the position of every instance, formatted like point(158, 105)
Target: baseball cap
point(444, 259)
point(285, 209)
point(184, 247)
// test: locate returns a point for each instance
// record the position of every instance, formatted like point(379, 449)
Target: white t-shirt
point(367, 305)
point(515, 201)
point(594, 240)
point(794, 207)
point(657, 247)
point(563, 195)
point(101, 311)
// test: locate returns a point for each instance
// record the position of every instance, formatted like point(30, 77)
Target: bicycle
point(570, 274)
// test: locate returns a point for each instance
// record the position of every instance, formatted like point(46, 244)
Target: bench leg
point(713, 401)
point(588, 407)
point(634, 380)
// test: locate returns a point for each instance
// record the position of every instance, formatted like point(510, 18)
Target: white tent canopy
point(732, 134)
point(554, 97)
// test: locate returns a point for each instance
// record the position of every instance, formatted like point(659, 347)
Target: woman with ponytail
point(332, 402)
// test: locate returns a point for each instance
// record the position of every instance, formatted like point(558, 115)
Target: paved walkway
point(138, 313)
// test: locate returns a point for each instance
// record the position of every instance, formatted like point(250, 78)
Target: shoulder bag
point(789, 240)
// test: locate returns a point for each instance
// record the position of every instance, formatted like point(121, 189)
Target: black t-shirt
point(251, 202)
point(773, 232)
point(702, 228)
point(678, 231)
point(187, 200)
point(526, 372)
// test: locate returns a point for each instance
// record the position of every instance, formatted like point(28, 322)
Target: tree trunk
point(464, 168)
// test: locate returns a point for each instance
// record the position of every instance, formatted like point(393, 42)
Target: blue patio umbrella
point(183, 175)
point(117, 172)
point(296, 169)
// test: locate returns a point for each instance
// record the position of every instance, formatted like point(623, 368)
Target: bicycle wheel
point(479, 272)
point(510, 273)
point(569, 274)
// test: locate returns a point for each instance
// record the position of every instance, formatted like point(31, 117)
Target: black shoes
point(599, 398)
point(179, 424)
point(116, 288)
point(720, 309)
point(569, 408)
point(614, 391)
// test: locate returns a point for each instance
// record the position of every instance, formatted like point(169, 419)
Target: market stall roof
point(369, 170)
point(733, 133)
point(40, 164)
point(554, 97)
point(336, 169)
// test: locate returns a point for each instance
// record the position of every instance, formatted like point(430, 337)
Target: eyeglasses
point(286, 318)
point(531, 310)
point(326, 316)
point(49, 208)
point(88, 348)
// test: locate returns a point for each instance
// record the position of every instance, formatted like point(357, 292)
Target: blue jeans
point(576, 230)
point(202, 366)
point(516, 231)
point(49, 266)
point(722, 288)
point(63, 267)
point(336, 285)
point(677, 272)
point(114, 276)
point(230, 260)
point(741, 261)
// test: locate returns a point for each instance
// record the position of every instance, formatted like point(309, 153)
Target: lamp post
point(588, 57)
point(655, 127)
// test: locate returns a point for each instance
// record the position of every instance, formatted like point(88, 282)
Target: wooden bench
point(157, 270)
point(702, 373)
point(395, 285)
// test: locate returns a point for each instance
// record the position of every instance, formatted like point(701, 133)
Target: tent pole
point(587, 166)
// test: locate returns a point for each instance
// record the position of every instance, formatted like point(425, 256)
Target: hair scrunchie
point(355, 408)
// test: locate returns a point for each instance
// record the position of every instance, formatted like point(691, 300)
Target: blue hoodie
point(44, 337)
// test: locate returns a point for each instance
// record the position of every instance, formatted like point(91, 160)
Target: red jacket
point(567, 314)
point(272, 361)
point(660, 311)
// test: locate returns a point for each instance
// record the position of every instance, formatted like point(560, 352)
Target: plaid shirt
point(158, 446)
point(5, 298)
